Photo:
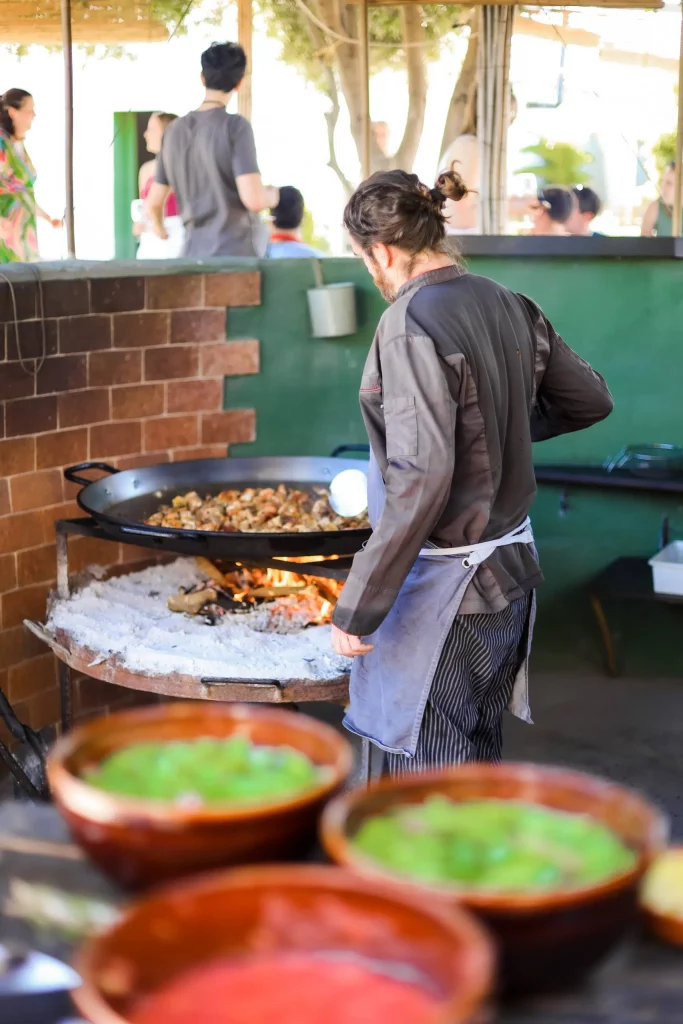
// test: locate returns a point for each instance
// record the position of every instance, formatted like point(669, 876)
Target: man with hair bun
point(462, 376)
point(208, 158)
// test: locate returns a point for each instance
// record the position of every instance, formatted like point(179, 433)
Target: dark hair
point(588, 200)
point(395, 208)
point(558, 203)
point(12, 98)
point(289, 212)
point(223, 66)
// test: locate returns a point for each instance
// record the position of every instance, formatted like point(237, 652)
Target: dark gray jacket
point(462, 376)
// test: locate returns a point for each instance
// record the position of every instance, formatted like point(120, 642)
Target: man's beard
point(387, 292)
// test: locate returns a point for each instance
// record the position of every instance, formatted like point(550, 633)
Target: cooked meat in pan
point(256, 510)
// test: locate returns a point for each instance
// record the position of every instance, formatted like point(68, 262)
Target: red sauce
point(287, 989)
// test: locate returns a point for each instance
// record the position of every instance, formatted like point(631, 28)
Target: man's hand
point(159, 230)
point(348, 645)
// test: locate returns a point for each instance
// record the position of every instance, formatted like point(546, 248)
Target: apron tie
point(478, 553)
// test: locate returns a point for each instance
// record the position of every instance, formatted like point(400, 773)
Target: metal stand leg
point(365, 762)
point(610, 653)
point(65, 696)
point(62, 563)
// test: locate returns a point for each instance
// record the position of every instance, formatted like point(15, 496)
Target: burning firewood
point(282, 600)
point(193, 602)
point(324, 588)
point(269, 593)
point(211, 570)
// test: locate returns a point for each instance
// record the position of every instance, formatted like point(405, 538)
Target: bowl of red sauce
point(110, 780)
point(549, 932)
point(286, 945)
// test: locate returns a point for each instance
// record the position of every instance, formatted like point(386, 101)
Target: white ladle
point(349, 493)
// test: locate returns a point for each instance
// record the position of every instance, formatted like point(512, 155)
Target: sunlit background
point(616, 89)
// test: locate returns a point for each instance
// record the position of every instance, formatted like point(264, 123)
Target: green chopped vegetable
point(497, 845)
point(205, 771)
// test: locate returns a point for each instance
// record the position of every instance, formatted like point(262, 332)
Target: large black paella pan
point(120, 502)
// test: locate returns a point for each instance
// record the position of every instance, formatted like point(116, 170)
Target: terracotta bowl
point(283, 909)
point(139, 842)
point(546, 940)
point(667, 927)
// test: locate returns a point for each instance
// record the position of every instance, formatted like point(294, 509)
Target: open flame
point(284, 595)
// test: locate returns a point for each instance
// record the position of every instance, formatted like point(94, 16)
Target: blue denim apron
point(390, 686)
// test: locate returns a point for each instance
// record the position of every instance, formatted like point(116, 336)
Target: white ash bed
point(122, 631)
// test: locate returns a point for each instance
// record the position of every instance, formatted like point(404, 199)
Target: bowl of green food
point(165, 791)
point(550, 859)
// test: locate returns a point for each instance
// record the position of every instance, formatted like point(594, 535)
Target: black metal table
point(626, 579)
point(641, 984)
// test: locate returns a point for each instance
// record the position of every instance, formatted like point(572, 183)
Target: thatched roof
point(93, 21)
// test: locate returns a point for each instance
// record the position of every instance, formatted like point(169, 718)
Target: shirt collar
point(431, 277)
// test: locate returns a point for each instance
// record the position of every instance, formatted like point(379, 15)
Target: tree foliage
point(664, 150)
point(400, 37)
point(558, 163)
point(286, 22)
point(309, 234)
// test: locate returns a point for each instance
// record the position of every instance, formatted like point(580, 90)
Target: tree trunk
point(416, 70)
point(343, 18)
point(461, 101)
point(331, 118)
point(332, 115)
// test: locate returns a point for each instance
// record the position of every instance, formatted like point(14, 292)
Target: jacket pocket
point(400, 419)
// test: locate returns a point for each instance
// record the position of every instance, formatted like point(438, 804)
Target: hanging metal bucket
point(333, 310)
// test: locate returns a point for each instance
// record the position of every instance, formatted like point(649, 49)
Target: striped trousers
point(471, 689)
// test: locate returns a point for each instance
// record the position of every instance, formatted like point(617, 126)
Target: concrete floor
point(630, 730)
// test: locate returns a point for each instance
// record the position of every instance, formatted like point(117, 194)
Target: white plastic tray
point(667, 569)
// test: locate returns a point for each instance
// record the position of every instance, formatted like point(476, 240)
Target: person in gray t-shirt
point(208, 158)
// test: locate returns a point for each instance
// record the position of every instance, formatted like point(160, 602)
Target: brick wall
point(133, 375)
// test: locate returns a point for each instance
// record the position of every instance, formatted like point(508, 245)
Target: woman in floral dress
point(18, 207)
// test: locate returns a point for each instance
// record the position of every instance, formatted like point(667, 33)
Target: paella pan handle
point(71, 472)
point(365, 448)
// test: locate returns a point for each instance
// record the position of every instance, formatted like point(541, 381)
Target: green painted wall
point(624, 316)
point(125, 182)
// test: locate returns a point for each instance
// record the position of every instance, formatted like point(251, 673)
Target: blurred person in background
point(586, 209)
point(285, 236)
point(551, 210)
point(152, 247)
point(380, 131)
point(658, 219)
point(18, 207)
point(462, 156)
point(208, 158)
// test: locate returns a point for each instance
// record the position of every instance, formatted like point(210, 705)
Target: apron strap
point(478, 553)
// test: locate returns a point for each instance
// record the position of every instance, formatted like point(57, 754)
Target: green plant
point(664, 150)
point(309, 236)
point(558, 163)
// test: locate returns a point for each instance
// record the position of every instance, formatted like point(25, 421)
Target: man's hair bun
point(451, 185)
